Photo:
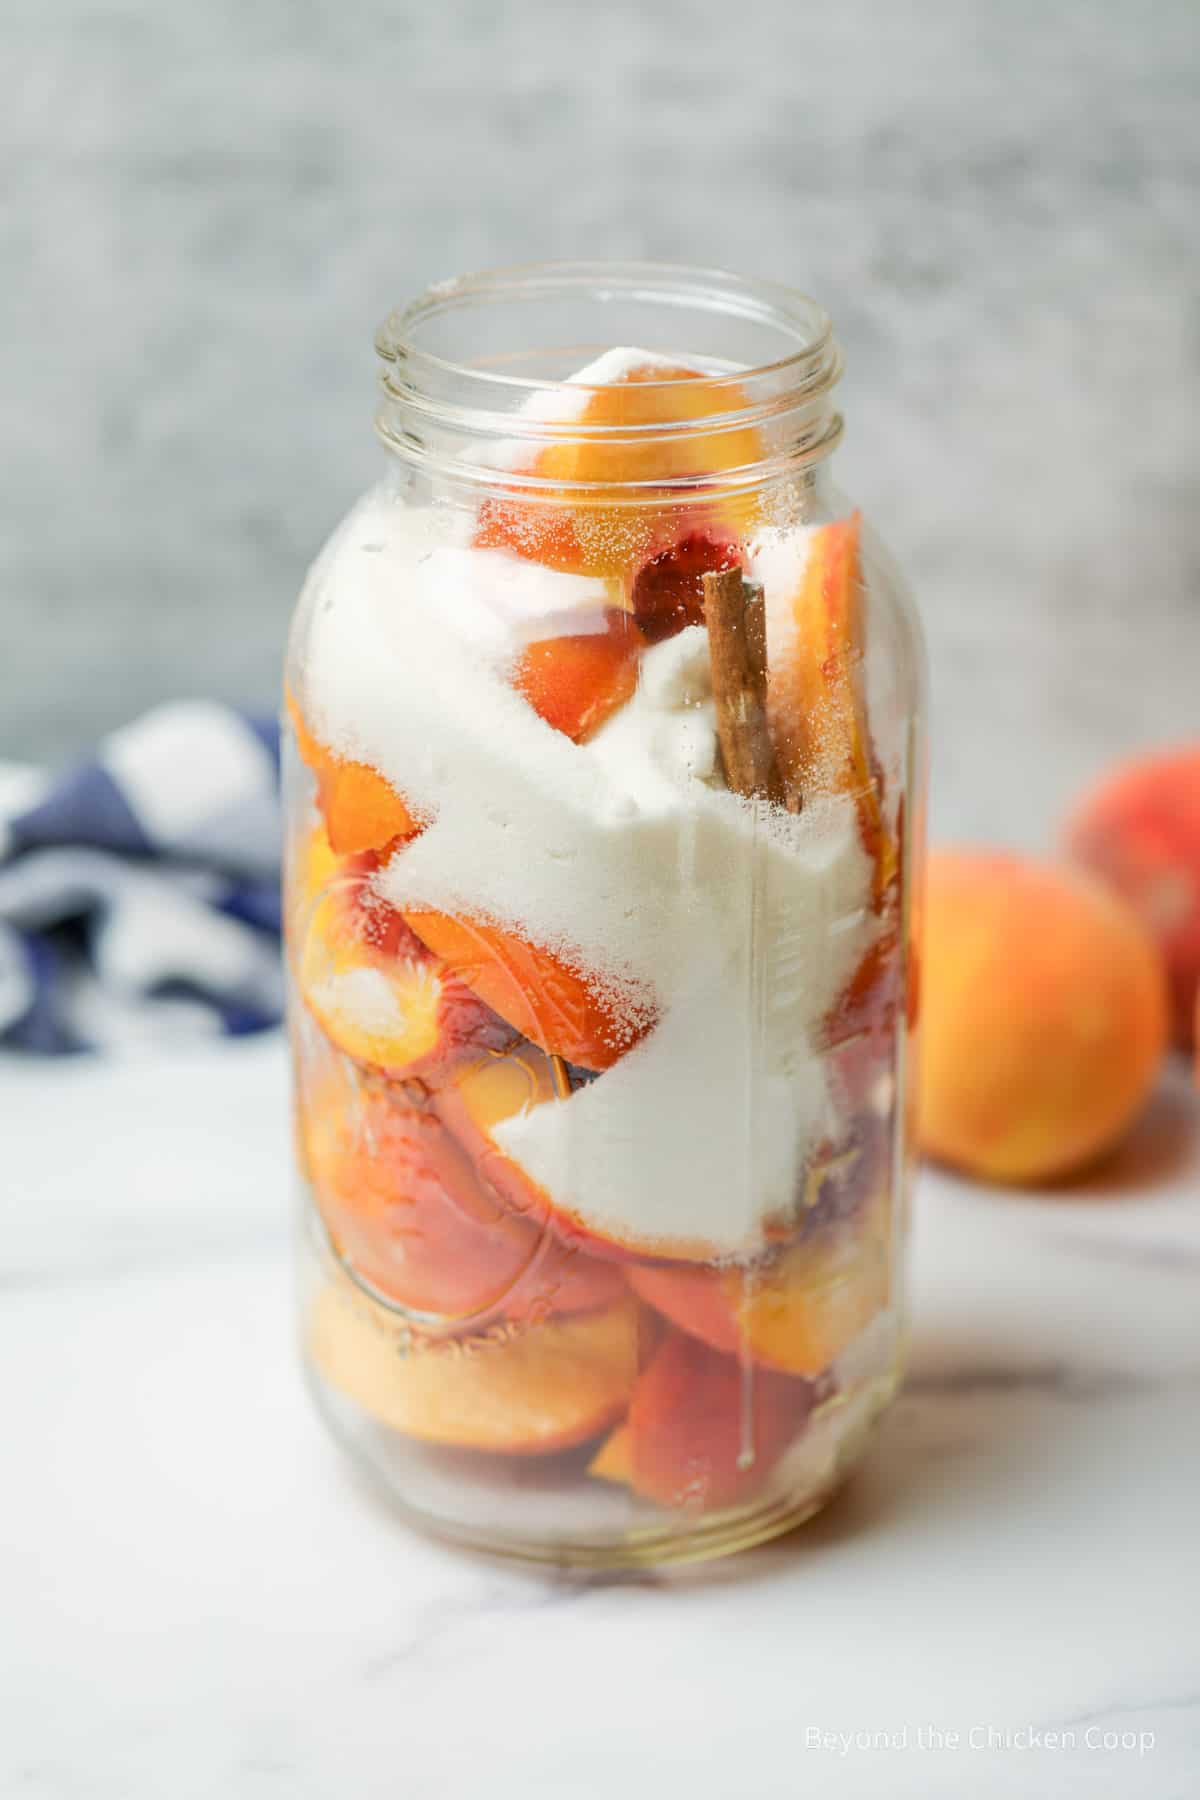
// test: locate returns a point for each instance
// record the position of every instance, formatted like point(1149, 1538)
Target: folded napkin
point(139, 893)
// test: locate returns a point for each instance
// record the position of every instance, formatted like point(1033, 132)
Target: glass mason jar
point(605, 769)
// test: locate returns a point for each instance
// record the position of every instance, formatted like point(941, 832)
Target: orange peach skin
point(377, 992)
point(1140, 832)
point(613, 1461)
point(577, 682)
point(361, 810)
point(687, 1433)
point(815, 690)
point(544, 999)
point(797, 1313)
point(587, 536)
point(860, 1027)
point(547, 1389)
point(416, 1019)
point(1044, 1016)
point(406, 1209)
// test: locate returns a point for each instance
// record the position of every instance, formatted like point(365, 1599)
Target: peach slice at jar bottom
point(799, 1312)
point(815, 690)
point(558, 1008)
point(361, 810)
point(540, 1390)
point(613, 1461)
point(591, 537)
point(406, 1210)
point(576, 682)
point(703, 1431)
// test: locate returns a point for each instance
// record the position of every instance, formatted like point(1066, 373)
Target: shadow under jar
point(605, 777)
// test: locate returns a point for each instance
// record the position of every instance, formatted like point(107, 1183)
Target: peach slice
point(588, 536)
point(698, 1301)
point(310, 867)
point(797, 1313)
point(374, 988)
point(484, 1094)
point(861, 1026)
point(541, 530)
point(815, 691)
point(479, 1098)
point(554, 1005)
point(646, 395)
point(542, 1390)
point(576, 682)
point(361, 810)
point(613, 1461)
point(704, 1432)
point(406, 1209)
point(810, 1306)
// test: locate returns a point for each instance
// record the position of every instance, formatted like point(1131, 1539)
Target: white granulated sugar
point(621, 362)
point(364, 995)
point(618, 855)
point(702, 1129)
point(499, 601)
point(778, 559)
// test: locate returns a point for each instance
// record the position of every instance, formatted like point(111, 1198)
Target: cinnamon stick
point(737, 640)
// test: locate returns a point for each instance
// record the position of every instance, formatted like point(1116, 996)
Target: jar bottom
point(638, 1547)
point(547, 1510)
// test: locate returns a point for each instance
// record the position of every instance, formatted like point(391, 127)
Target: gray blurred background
point(207, 208)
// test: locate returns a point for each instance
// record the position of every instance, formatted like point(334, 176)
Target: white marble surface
point(199, 1599)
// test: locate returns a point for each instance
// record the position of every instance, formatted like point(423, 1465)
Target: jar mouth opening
point(496, 355)
point(419, 330)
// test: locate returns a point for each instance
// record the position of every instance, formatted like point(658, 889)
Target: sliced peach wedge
point(378, 993)
point(361, 810)
point(576, 682)
point(613, 1461)
point(815, 689)
point(406, 1209)
point(547, 1389)
point(598, 537)
point(702, 1431)
point(797, 1313)
point(557, 1007)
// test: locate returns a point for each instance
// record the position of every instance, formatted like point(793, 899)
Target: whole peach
point(1140, 831)
point(1044, 1016)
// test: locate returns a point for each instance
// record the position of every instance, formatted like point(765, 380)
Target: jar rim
point(468, 414)
point(711, 289)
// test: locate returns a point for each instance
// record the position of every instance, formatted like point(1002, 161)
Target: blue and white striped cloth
point(139, 893)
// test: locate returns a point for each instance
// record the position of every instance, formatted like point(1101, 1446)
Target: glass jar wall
point(604, 769)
